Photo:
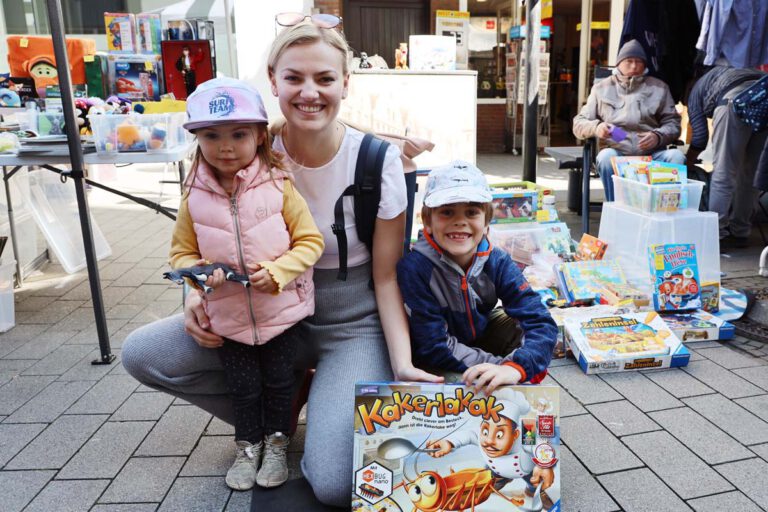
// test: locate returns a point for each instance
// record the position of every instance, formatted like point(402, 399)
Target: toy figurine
point(200, 274)
point(129, 138)
point(157, 136)
point(401, 56)
point(364, 62)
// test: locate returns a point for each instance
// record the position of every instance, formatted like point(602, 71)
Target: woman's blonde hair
point(273, 159)
point(308, 33)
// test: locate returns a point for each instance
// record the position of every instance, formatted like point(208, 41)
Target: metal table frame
point(17, 162)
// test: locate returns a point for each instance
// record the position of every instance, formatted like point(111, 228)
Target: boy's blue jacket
point(449, 309)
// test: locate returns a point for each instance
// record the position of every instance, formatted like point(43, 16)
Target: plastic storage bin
point(657, 198)
point(54, 208)
point(520, 241)
point(629, 233)
point(43, 123)
point(128, 133)
point(28, 239)
point(525, 185)
point(7, 310)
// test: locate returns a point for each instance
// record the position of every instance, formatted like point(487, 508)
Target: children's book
point(675, 277)
point(665, 172)
point(557, 240)
point(631, 167)
point(441, 447)
point(710, 296)
point(698, 326)
point(626, 341)
point(584, 280)
point(590, 248)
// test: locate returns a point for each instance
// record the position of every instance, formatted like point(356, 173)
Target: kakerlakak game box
point(444, 447)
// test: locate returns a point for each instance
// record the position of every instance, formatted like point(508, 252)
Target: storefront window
point(487, 41)
point(80, 17)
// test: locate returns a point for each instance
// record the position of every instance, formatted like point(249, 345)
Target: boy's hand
point(487, 377)
point(261, 279)
point(442, 447)
point(216, 279)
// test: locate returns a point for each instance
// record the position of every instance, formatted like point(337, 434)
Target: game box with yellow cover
point(439, 447)
point(626, 341)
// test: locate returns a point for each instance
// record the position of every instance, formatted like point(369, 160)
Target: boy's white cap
point(222, 101)
point(457, 182)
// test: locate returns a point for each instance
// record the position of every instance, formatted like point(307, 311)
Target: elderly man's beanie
point(631, 50)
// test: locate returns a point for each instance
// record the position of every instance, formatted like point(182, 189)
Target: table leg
point(182, 174)
point(12, 225)
point(585, 172)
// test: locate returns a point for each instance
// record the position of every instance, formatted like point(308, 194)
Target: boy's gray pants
point(736, 149)
point(343, 341)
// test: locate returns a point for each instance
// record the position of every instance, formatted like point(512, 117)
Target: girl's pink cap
point(222, 101)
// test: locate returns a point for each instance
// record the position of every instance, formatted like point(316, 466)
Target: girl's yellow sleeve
point(184, 249)
point(306, 241)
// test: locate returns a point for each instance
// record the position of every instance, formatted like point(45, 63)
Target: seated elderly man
point(641, 106)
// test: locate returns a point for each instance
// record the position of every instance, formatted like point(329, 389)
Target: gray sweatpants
point(736, 149)
point(343, 341)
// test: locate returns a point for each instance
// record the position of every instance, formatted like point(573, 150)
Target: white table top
point(174, 155)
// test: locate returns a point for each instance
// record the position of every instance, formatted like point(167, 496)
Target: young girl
point(241, 209)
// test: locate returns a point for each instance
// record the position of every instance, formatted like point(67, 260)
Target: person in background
point(736, 149)
point(631, 114)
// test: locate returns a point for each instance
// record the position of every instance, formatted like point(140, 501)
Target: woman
point(356, 334)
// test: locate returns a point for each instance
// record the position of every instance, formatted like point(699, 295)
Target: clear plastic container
point(128, 133)
point(7, 311)
point(657, 198)
point(629, 232)
point(45, 124)
point(28, 239)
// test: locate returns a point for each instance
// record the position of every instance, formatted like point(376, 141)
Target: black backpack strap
point(368, 168)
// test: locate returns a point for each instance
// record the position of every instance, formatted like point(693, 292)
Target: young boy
point(452, 281)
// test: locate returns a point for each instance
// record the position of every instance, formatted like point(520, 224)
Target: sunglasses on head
point(290, 19)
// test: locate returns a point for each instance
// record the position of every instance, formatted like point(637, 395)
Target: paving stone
point(106, 396)
point(58, 443)
point(640, 490)
point(129, 280)
point(757, 376)
point(700, 435)
point(127, 311)
point(585, 388)
point(622, 418)
point(726, 501)
point(580, 491)
point(19, 487)
point(749, 477)
point(67, 495)
point(21, 389)
point(583, 433)
point(642, 392)
point(55, 312)
point(212, 456)
point(127, 507)
point(144, 294)
point(730, 358)
point(676, 465)
point(698, 345)
point(79, 319)
point(176, 433)
point(86, 370)
point(695, 356)
point(678, 383)
point(14, 437)
point(757, 405)
point(50, 402)
point(218, 427)
point(730, 417)
point(33, 303)
point(41, 346)
point(196, 494)
point(59, 361)
point(14, 367)
point(114, 271)
point(721, 380)
point(143, 406)
point(143, 479)
point(106, 451)
point(157, 310)
point(239, 502)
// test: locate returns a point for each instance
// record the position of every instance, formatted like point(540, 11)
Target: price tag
point(88, 58)
point(148, 66)
point(23, 42)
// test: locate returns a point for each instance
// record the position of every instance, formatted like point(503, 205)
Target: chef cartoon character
point(542, 406)
point(501, 445)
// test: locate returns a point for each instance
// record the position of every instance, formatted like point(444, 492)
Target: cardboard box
point(627, 341)
point(396, 423)
point(699, 326)
point(515, 206)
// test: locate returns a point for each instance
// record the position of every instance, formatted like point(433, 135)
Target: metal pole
point(531, 113)
point(76, 158)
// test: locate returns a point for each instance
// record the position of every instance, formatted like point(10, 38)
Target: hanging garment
point(735, 31)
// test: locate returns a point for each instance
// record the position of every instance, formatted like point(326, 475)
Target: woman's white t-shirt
point(322, 186)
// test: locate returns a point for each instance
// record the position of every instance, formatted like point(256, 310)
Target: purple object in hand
point(617, 134)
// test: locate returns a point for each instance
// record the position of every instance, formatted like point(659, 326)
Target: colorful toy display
point(135, 77)
point(188, 63)
point(120, 27)
point(33, 57)
point(435, 447)
point(675, 277)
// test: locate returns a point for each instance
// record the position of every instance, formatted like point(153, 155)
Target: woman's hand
point(261, 279)
point(413, 374)
point(196, 322)
point(489, 376)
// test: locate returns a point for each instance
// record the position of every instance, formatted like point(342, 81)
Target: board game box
point(584, 281)
point(627, 341)
point(675, 276)
point(440, 447)
point(515, 206)
point(698, 326)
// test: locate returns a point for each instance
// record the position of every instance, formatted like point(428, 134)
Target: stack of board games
point(675, 277)
point(440, 447)
point(699, 326)
point(626, 341)
point(583, 281)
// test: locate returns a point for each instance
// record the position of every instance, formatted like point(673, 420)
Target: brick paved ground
point(79, 437)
